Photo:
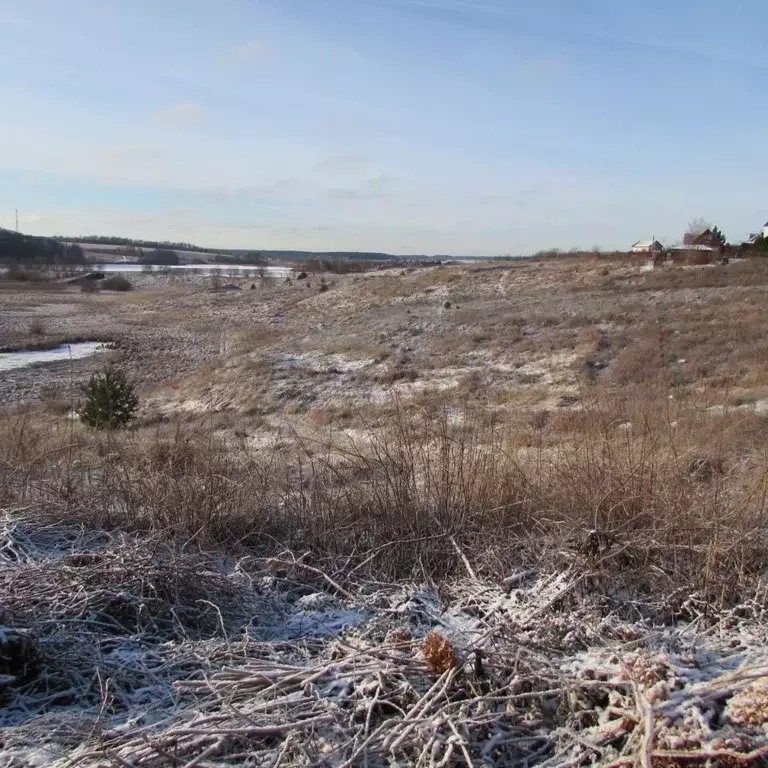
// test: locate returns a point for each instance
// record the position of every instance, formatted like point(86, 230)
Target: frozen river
point(10, 361)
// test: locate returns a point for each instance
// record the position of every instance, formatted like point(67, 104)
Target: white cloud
point(244, 54)
point(134, 154)
point(377, 188)
point(341, 163)
point(181, 113)
point(280, 188)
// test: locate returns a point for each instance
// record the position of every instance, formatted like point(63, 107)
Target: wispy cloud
point(341, 163)
point(134, 154)
point(281, 188)
point(181, 113)
point(468, 102)
point(377, 188)
point(243, 55)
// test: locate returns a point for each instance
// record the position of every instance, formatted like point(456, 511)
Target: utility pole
point(17, 219)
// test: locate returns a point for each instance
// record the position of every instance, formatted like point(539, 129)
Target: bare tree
point(701, 225)
point(697, 226)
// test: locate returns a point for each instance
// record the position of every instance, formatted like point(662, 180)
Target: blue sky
point(412, 126)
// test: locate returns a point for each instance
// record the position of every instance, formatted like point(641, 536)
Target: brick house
point(698, 248)
point(707, 238)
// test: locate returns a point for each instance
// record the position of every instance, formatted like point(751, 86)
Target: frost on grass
point(117, 650)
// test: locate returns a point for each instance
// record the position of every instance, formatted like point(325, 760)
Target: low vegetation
point(522, 507)
point(116, 283)
point(110, 401)
point(657, 497)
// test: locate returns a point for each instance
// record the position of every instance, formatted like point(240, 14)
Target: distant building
point(695, 254)
point(706, 238)
point(755, 237)
point(698, 248)
point(647, 246)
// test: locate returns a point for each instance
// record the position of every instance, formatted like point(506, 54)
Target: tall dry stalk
point(645, 490)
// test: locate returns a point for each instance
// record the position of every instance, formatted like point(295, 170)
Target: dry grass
point(662, 495)
point(597, 426)
point(136, 650)
point(555, 400)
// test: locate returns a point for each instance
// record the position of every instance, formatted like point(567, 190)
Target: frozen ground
point(122, 651)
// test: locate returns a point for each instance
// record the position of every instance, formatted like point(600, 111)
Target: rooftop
point(693, 247)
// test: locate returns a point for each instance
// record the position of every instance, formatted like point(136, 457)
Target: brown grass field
point(516, 402)
point(585, 416)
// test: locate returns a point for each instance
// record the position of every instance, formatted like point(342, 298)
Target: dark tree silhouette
point(162, 256)
point(27, 250)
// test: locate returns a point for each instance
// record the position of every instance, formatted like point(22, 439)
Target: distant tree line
point(162, 250)
point(549, 253)
point(226, 256)
point(250, 257)
point(161, 256)
point(28, 250)
point(356, 256)
point(130, 242)
point(234, 255)
point(334, 255)
point(339, 266)
point(167, 257)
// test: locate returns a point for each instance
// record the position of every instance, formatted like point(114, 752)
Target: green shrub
point(110, 400)
point(117, 283)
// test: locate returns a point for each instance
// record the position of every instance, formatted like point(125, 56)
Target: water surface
point(222, 269)
point(10, 361)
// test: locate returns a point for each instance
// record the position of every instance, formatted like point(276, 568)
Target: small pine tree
point(719, 235)
point(110, 400)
